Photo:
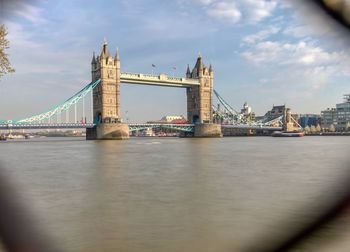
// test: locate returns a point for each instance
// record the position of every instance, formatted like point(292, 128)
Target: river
point(173, 194)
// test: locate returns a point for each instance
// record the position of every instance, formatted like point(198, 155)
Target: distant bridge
point(103, 94)
point(45, 120)
point(14, 126)
point(132, 126)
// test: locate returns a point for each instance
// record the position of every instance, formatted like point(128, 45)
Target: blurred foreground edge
point(338, 10)
point(18, 232)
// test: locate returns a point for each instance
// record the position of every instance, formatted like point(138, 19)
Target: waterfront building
point(278, 111)
point(339, 116)
point(275, 112)
point(247, 112)
point(309, 120)
point(172, 118)
point(328, 118)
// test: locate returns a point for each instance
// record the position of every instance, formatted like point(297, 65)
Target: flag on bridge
point(153, 65)
point(174, 67)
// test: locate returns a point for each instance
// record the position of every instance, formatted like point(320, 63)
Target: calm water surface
point(170, 195)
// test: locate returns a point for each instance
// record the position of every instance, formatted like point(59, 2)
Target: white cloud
point(31, 57)
point(29, 10)
point(259, 9)
point(304, 59)
point(234, 11)
point(225, 11)
point(261, 35)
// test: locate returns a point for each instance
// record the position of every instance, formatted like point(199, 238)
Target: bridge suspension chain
point(65, 106)
point(225, 104)
point(233, 117)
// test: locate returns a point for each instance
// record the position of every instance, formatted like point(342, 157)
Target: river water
point(174, 194)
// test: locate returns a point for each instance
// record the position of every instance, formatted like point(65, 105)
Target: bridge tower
point(106, 97)
point(200, 101)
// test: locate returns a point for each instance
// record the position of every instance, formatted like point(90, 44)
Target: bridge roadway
point(247, 126)
point(46, 126)
point(132, 126)
point(158, 80)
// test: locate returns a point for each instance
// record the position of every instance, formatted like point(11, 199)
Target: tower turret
point(199, 66)
point(93, 61)
point(117, 57)
point(105, 51)
point(188, 72)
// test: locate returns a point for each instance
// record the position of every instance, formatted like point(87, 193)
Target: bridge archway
point(97, 117)
point(195, 119)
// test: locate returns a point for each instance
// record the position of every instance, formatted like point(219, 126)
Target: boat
point(3, 138)
point(287, 134)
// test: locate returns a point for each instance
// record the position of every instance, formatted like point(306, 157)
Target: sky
point(263, 52)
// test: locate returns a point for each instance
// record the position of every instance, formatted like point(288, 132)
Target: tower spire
point(188, 72)
point(105, 52)
point(117, 57)
point(93, 61)
point(199, 65)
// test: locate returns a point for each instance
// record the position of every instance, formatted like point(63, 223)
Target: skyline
point(259, 49)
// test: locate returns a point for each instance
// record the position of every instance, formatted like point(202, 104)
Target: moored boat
point(287, 134)
point(3, 138)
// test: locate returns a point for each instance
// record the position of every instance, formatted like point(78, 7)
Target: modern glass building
point(309, 120)
point(338, 116)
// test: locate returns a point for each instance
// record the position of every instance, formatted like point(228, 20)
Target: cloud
point(37, 58)
point(234, 11)
point(303, 58)
point(299, 53)
point(259, 9)
point(225, 11)
point(27, 10)
point(261, 35)
point(309, 19)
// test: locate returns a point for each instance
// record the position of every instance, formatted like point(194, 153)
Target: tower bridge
point(104, 91)
point(198, 82)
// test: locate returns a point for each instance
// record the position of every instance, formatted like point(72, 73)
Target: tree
point(348, 126)
point(318, 128)
point(313, 129)
point(5, 65)
point(332, 128)
point(307, 130)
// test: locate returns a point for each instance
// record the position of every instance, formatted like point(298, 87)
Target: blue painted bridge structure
point(46, 120)
point(132, 126)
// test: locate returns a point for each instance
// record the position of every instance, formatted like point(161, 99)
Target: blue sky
point(263, 52)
